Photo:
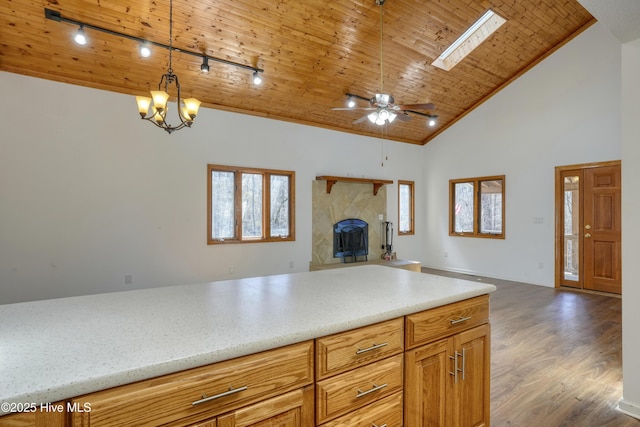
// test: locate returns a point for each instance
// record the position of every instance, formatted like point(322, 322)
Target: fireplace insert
point(351, 240)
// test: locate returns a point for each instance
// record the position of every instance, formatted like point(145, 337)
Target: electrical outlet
point(128, 279)
point(446, 254)
point(291, 264)
point(232, 269)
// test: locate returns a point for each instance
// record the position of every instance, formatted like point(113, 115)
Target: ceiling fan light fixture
point(80, 37)
point(383, 99)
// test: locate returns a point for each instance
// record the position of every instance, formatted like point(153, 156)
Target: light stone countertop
point(57, 349)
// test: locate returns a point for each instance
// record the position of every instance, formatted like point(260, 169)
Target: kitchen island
point(57, 350)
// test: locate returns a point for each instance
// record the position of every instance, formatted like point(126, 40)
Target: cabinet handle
point(376, 425)
point(218, 396)
point(454, 358)
point(460, 320)
point(373, 347)
point(375, 388)
point(464, 351)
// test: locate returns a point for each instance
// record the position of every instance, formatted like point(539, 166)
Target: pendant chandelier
point(155, 109)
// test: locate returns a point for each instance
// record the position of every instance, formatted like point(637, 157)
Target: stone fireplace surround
point(346, 200)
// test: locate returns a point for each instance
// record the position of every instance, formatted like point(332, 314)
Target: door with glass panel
point(588, 227)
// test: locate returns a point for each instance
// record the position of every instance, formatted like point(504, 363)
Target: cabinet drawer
point(384, 412)
point(38, 418)
point(351, 390)
point(200, 393)
point(447, 320)
point(347, 350)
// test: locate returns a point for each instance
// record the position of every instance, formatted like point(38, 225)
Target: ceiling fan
point(382, 106)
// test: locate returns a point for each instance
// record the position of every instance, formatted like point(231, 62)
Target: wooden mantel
point(377, 183)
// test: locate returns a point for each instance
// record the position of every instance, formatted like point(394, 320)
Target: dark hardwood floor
point(555, 358)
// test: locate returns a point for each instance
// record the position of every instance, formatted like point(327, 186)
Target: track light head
point(432, 121)
point(205, 65)
point(145, 50)
point(351, 102)
point(80, 37)
point(257, 80)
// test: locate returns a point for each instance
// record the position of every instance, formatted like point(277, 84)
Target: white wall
point(631, 227)
point(564, 111)
point(90, 193)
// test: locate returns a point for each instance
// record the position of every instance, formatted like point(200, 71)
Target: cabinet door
point(428, 400)
point(36, 419)
point(473, 388)
point(293, 409)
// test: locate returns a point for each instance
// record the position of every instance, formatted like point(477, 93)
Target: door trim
point(558, 209)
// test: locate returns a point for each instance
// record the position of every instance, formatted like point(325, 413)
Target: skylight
point(469, 40)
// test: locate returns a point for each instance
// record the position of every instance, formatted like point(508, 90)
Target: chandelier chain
point(170, 34)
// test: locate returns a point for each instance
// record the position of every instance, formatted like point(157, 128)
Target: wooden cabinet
point(447, 381)
point(348, 350)
point(293, 409)
point(356, 370)
point(383, 412)
point(37, 419)
point(189, 397)
point(425, 369)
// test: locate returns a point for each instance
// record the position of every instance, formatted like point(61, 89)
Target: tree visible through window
point(477, 207)
point(249, 205)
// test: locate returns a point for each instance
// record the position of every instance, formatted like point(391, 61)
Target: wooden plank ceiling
point(312, 52)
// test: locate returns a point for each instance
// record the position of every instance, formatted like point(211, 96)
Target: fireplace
point(351, 240)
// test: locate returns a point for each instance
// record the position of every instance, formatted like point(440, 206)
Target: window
point(476, 207)
point(247, 205)
point(406, 208)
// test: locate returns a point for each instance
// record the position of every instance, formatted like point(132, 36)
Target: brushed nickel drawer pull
point(375, 388)
point(373, 347)
point(376, 425)
point(460, 320)
point(218, 396)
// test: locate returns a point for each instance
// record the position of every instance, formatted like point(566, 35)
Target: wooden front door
point(588, 227)
point(602, 231)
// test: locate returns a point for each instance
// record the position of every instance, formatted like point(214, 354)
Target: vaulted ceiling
point(312, 53)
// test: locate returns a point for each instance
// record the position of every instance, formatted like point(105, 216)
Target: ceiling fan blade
point(403, 117)
point(417, 107)
point(361, 119)
point(352, 108)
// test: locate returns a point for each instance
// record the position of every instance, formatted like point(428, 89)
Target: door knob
point(588, 227)
point(587, 235)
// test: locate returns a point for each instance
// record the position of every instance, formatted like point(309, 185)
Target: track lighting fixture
point(80, 37)
point(145, 50)
point(257, 80)
point(205, 65)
